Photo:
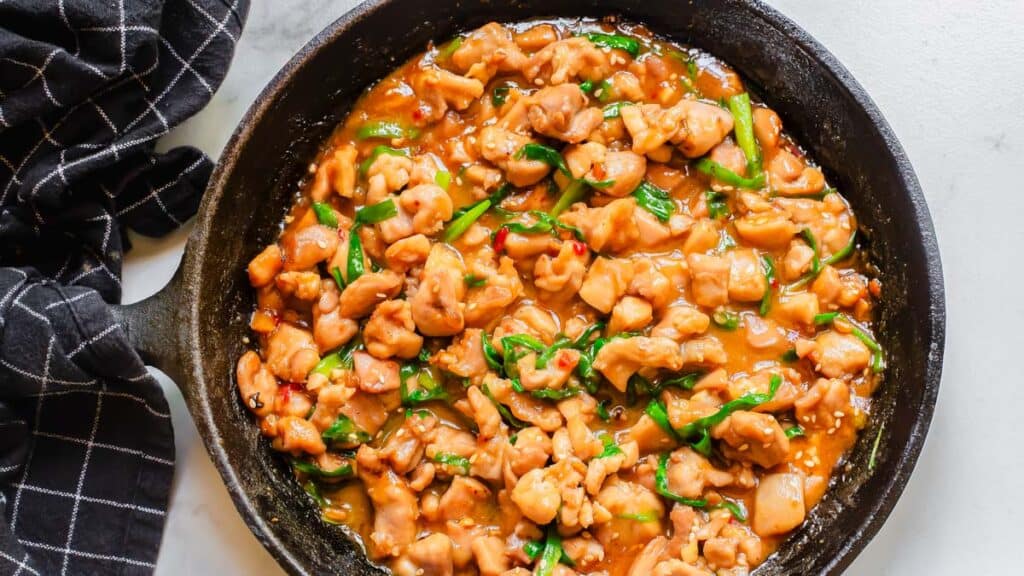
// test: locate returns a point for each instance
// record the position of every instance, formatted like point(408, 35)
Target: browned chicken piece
point(395, 508)
point(694, 127)
point(440, 89)
point(265, 266)
point(624, 501)
point(407, 253)
point(391, 331)
point(487, 51)
point(631, 314)
point(330, 329)
point(553, 376)
point(649, 436)
point(301, 285)
point(730, 156)
point(431, 556)
point(525, 407)
point(388, 173)
point(690, 474)
point(503, 288)
point(610, 228)
point(526, 319)
point(291, 353)
point(366, 411)
point(256, 384)
point(767, 128)
point(428, 205)
point(824, 405)
point(437, 306)
point(620, 358)
point(651, 284)
point(746, 276)
point(305, 248)
point(752, 437)
point(799, 308)
point(538, 496)
point(489, 553)
point(680, 323)
point(296, 435)
point(465, 356)
point(336, 173)
point(462, 497)
point(375, 376)
point(606, 282)
point(403, 450)
point(361, 296)
point(566, 60)
point(778, 504)
point(770, 230)
point(645, 562)
point(484, 413)
point(536, 37)
point(788, 175)
point(709, 280)
point(531, 450)
point(760, 383)
point(561, 112)
point(561, 277)
point(838, 355)
point(585, 552)
point(500, 146)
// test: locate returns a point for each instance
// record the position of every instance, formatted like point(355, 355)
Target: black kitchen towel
point(86, 89)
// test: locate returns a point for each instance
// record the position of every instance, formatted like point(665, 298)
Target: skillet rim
point(194, 384)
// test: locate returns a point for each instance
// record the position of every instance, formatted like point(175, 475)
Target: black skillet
point(194, 329)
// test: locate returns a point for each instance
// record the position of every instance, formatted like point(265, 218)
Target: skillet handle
point(152, 327)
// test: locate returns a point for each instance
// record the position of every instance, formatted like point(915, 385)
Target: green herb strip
point(615, 42)
point(453, 460)
point(725, 319)
point(325, 214)
point(386, 129)
point(716, 170)
point(743, 122)
point(661, 485)
point(769, 282)
point(654, 200)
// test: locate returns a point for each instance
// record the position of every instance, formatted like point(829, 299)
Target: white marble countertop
point(949, 76)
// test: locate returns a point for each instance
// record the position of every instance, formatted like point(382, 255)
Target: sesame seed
point(744, 447)
point(830, 431)
point(799, 454)
point(312, 167)
point(838, 414)
point(322, 244)
point(809, 463)
point(539, 81)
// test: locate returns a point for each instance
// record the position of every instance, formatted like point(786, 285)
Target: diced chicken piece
point(407, 253)
point(525, 246)
point(336, 173)
point(485, 414)
point(553, 376)
point(767, 128)
point(366, 411)
point(428, 205)
point(624, 86)
point(682, 410)
point(760, 383)
point(526, 407)
point(361, 296)
point(256, 384)
point(709, 279)
point(796, 261)
point(265, 266)
point(799, 308)
point(652, 553)
point(630, 315)
point(838, 355)
point(789, 175)
point(824, 405)
point(395, 508)
point(561, 112)
point(624, 170)
point(391, 331)
point(653, 233)
point(648, 436)
point(537, 496)
point(694, 127)
point(610, 228)
point(778, 504)
point(296, 434)
point(330, 329)
point(769, 230)
point(676, 567)
point(565, 60)
point(703, 237)
point(730, 156)
point(375, 376)
point(707, 351)
point(625, 500)
point(439, 89)
point(600, 469)
point(606, 282)
point(620, 358)
point(388, 173)
point(487, 51)
point(301, 285)
point(651, 284)
point(561, 276)
point(462, 497)
point(305, 248)
point(680, 323)
point(536, 37)
point(585, 552)
point(489, 553)
point(500, 146)
point(488, 302)
point(465, 356)
point(431, 556)
point(437, 306)
point(752, 437)
point(689, 474)
point(291, 353)
point(746, 276)
point(531, 450)
point(403, 449)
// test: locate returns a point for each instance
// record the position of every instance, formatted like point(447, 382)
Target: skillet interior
point(827, 111)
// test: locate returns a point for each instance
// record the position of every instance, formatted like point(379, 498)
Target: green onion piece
point(716, 170)
point(448, 459)
point(686, 381)
point(602, 410)
point(428, 389)
point(338, 279)
point(808, 237)
point(386, 129)
point(743, 122)
point(874, 448)
point(599, 184)
point(734, 508)
point(523, 340)
point(344, 432)
point(506, 414)
point(641, 517)
point(450, 48)
point(499, 96)
point(377, 213)
point(725, 319)
point(844, 252)
point(560, 343)
point(661, 485)
point(550, 394)
point(513, 439)
point(545, 154)
point(490, 353)
point(654, 200)
point(701, 427)
point(533, 549)
point(794, 431)
point(586, 86)
point(459, 226)
point(877, 354)
point(614, 110)
point(314, 492)
point(717, 204)
point(364, 166)
point(584, 338)
point(610, 447)
point(615, 42)
point(551, 554)
point(340, 358)
point(656, 411)
point(474, 281)
point(310, 469)
point(443, 178)
point(570, 195)
point(424, 355)
point(604, 91)
point(325, 214)
point(545, 224)
point(790, 356)
point(356, 265)
point(825, 318)
point(769, 281)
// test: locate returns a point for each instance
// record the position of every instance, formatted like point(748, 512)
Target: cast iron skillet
point(193, 330)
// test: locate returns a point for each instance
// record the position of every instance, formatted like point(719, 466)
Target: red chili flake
point(563, 361)
point(598, 171)
point(417, 114)
point(579, 248)
point(286, 393)
point(775, 282)
point(499, 239)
